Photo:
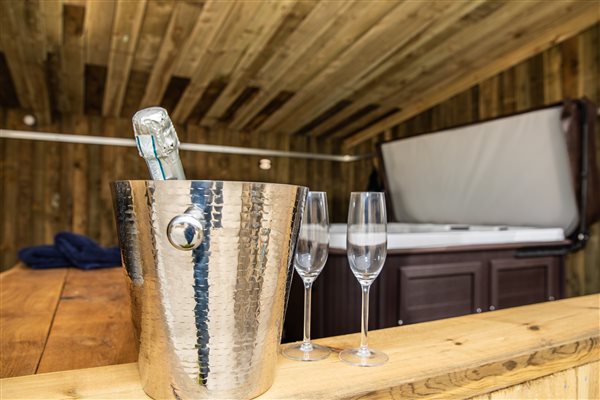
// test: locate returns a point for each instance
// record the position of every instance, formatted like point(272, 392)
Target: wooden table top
point(63, 319)
point(452, 358)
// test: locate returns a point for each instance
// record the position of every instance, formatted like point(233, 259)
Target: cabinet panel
point(421, 287)
point(429, 292)
point(517, 282)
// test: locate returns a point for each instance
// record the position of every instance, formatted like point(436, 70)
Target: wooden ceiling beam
point(209, 27)
point(71, 75)
point(509, 28)
point(335, 120)
point(463, 37)
point(52, 12)
point(573, 20)
point(361, 122)
point(177, 39)
point(99, 17)
point(228, 35)
point(195, 49)
point(460, 33)
point(458, 16)
point(328, 31)
point(12, 50)
point(127, 24)
point(400, 26)
point(24, 43)
point(152, 33)
point(280, 17)
point(313, 27)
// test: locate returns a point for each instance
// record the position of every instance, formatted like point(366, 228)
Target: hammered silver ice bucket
point(209, 267)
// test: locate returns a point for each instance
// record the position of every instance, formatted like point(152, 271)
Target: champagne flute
point(311, 254)
point(366, 244)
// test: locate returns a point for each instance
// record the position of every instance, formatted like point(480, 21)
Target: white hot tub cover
point(509, 171)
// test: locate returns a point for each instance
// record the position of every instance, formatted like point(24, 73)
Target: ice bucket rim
point(161, 182)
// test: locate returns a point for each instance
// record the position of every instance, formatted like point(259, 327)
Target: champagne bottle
point(157, 143)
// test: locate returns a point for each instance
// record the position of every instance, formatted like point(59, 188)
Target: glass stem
point(364, 321)
point(307, 300)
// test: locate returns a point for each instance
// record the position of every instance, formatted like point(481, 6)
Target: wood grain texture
point(455, 358)
point(155, 20)
point(228, 23)
point(92, 325)
point(65, 187)
point(574, 383)
point(99, 19)
point(177, 36)
point(271, 27)
point(276, 66)
point(329, 31)
point(28, 302)
point(424, 24)
point(572, 20)
point(125, 32)
point(72, 60)
point(23, 39)
point(62, 319)
point(52, 12)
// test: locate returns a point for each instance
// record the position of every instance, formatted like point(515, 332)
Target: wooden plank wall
point(50, 187)
point(569, 69)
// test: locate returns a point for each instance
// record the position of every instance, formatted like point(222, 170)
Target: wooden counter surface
point(552, 347)
point(62, 319)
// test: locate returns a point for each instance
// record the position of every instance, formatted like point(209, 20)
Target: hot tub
point(481, 218)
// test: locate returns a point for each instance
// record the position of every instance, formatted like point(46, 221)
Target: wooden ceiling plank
point(194, 50)
point(328, 31)
point(314, 27)
point(12, 50)
point(508, 28)
point(366, 94)
point(459, 37)
point(152, 33)
point(568, 26)
point(336, 119)
point(459, 17)
point(176, 38)
point(53, 16)
point(270, 22)
point(99, 17)
point(362, 86)
point(128, 22)
point(360, 123)
point(71, 75)
point(211, 27)
point(226, 44)
point(516, 32)
point(24, 40)
point(402, 24)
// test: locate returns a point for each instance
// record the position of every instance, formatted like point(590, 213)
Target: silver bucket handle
point(186, 231)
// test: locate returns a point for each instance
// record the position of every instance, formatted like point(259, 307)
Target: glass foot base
point(363, 357)
point(304, 352)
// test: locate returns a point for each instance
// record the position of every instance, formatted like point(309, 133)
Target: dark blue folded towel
point(43, 257)
point(71, 250)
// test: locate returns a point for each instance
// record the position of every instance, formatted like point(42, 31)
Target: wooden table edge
point(479, 375)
